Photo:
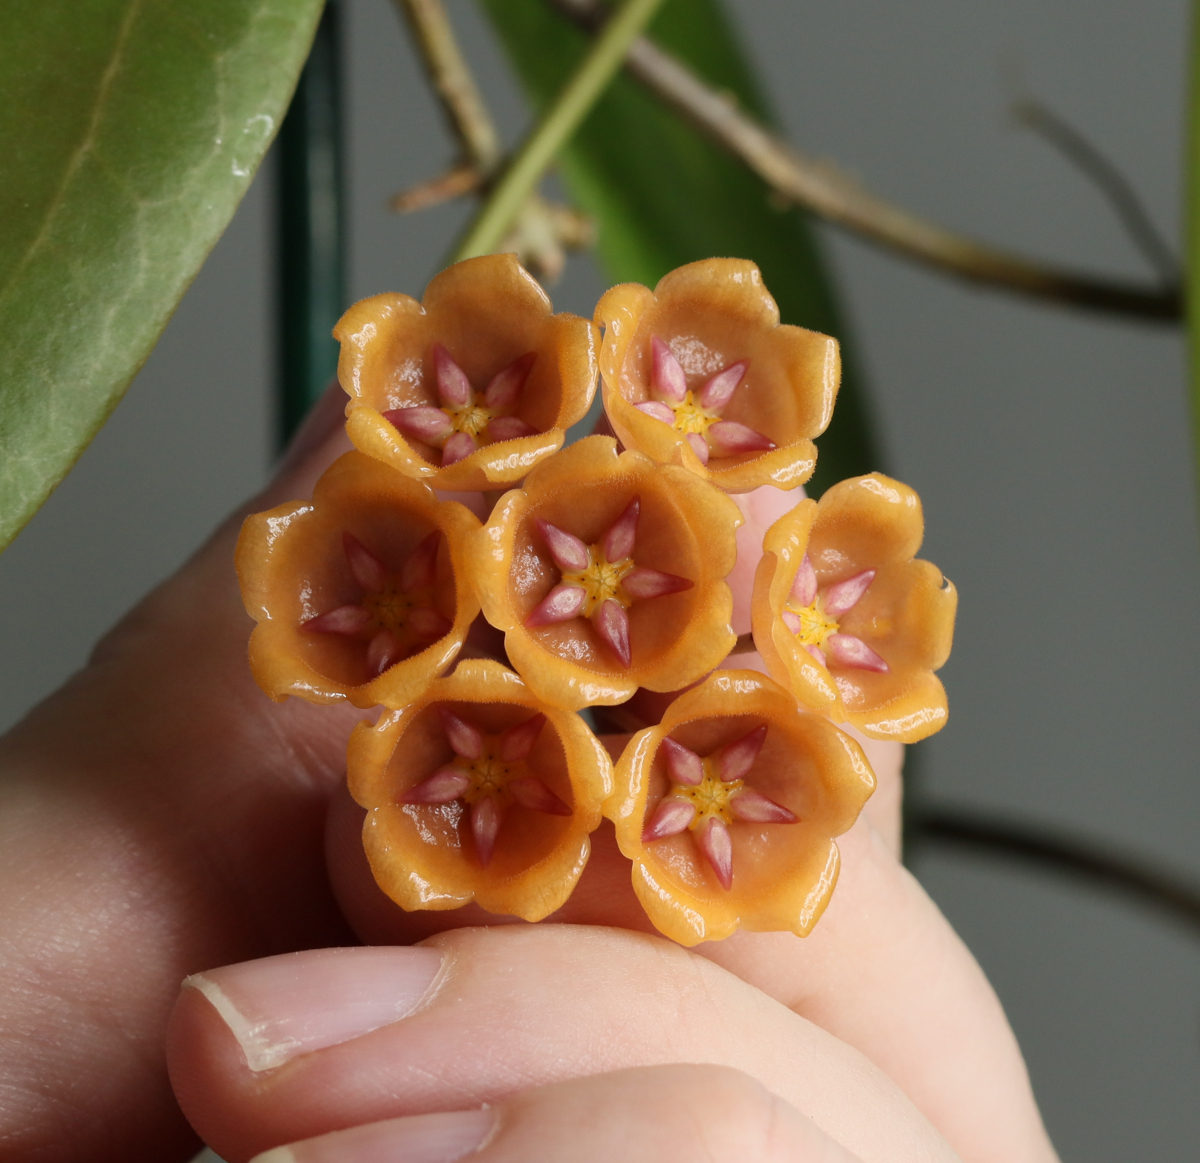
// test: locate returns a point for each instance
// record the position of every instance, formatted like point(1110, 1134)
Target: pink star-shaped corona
point(396, 614)
point(708, 795)
point(466, 420)
point(488, 774)
point(697, 414)
point(600, 582)
point(813, 617)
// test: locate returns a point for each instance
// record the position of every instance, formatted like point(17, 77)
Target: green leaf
point(130, 129)
point(663, 195)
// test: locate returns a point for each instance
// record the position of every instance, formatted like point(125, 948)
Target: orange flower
point(701, 373)
point(471, 387)
point(606, 573)
point(478, 791)
point(361, 593)
point(729, 808)
point(843, 615)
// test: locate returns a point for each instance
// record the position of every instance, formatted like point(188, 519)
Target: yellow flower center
point(390, 607)
point(472, 418)
point(489, 776)
point(815, 624)
point(710, 797)
point(601, 580)
point(691, 417)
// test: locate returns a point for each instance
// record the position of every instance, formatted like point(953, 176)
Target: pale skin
point(160, 817)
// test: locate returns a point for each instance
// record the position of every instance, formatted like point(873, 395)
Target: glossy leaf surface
point(662, 195)
point(130, 129)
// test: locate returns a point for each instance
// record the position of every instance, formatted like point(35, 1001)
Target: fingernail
point(439, 1138)
point(279, 1007)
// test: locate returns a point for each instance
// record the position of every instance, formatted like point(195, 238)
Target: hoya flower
point(730, 806)
point(478, 791)
point(700, 372)
point(847, 619)
point(474, 385)
point(361, 593)
point(606, 573)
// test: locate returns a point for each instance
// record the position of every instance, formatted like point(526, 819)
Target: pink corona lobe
point(561, 604)
point(852, 651)
point(671, 817)
point(396, 615)
point(465, 739)
point(735, 759)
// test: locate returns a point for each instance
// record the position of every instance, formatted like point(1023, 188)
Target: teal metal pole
point(310, 230)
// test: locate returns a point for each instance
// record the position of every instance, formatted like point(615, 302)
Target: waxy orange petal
point(781, 872)
point(292, 565)
point(710, 318)
point(904, 616)
point(423, 855)
point(488, 315)
point(685, 528)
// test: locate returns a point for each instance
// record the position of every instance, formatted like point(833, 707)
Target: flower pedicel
point(606, 572)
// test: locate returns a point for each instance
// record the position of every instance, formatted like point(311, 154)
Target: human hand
point(159, 816)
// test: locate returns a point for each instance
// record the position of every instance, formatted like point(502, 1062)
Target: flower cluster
point(605, 565)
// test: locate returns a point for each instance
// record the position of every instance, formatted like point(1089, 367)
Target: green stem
point(555, 129)
point(1192, 195)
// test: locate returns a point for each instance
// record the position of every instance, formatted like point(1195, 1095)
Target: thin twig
point(1065, 853)
point(1107, 178)
point(461, 100)
point(836, 196)
point(539, 230)
point(572, 105)
point(454, 183)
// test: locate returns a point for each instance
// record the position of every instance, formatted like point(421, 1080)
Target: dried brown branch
point(461, 100)
point(834, 195)
point(544, 231)
point(454, 183)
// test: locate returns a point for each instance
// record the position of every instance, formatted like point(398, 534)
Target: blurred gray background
point(1051, 449)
